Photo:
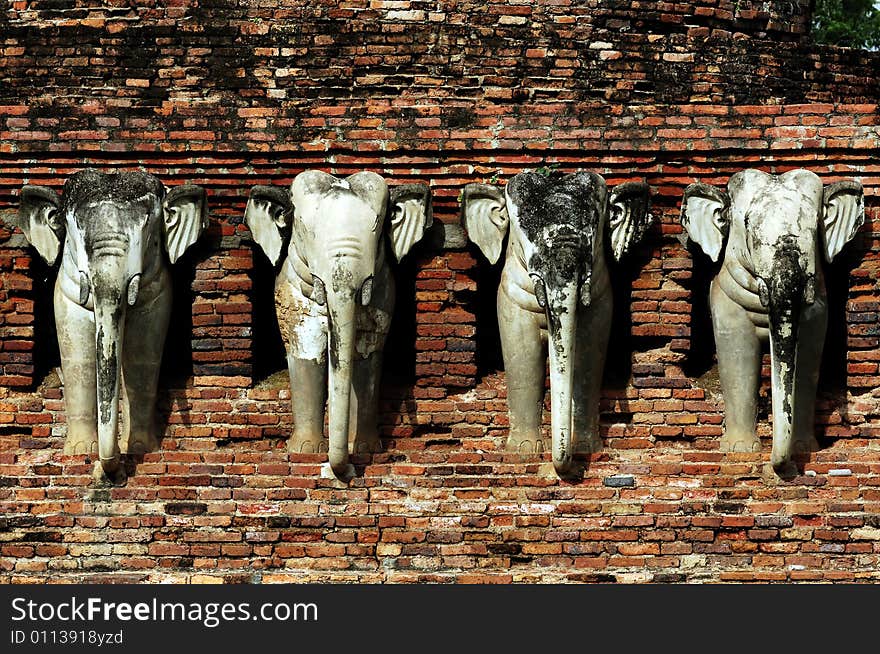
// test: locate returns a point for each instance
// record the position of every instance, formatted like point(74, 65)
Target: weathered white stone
point(334, 296)
point(555, 289)
point(412, 15)
point(839, 472)
point(865, 533)
point(770, 287)
point(112, 299)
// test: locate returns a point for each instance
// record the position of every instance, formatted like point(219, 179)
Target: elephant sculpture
point(770, 286)
point(112, 299)
point(555, 286)
point(334, 294)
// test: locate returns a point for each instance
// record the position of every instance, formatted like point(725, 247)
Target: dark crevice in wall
point(700, 357)
point(833, 372)
point(177, 355)
point(46, 356)
point(399, 361)
point(725, 160)
point(268, 354)
point(482, 303)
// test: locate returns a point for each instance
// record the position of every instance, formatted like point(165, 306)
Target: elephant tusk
point(810, 290)
point(133, 288)
point(319, 293)
point(540, 292)
point(763, 293)
point(367, 291)
point(587, 290)
point(83, 288)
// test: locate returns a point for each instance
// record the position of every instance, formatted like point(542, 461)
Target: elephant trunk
point(562, 325)
point(342, 328)
point(786, 294)
point(109, 282)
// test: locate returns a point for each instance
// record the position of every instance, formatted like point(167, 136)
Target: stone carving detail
point(334, 295)
point(770, 287)
point(112, 299)
point(555, 288)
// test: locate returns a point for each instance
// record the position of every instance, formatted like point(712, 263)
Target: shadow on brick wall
point(618, 360)
point(488, 354)
point(399, 361)
point(177, 356)
point(834, 373)
point(700, 357)
point(46, 354)
point(269, 357)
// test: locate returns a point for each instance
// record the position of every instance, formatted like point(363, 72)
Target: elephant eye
point(53, 218)
point(278, 214)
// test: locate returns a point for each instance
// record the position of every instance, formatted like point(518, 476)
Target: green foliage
point(849, 23)
point(547, 169)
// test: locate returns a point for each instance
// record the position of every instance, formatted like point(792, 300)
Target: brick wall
point(232, 94)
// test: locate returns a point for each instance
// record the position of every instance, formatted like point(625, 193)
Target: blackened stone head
point(134, 196)
point(558, 220)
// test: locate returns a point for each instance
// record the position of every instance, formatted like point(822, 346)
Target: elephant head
point(113, 228)
point(339, 232)
point(774, 227)
point(557, 229)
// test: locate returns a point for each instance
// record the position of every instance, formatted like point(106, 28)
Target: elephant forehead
point(338, 208)
point(102, 216)
point(784, 208)
point(747, 182)
point(807, 181)
point(91, 188)
point(89, 185)
point(750, 186)
point(541, 202)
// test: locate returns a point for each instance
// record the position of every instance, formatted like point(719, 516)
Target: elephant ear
point(704, 216)
point(411, 214)
point(484, 216)
point(628, 216)
point(39, 219)
point(844, 214)
point(267, 215)
point(185, 213)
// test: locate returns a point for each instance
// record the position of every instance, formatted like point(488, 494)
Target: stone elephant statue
point(112, 298)
point(555, 286)
point(770, 286)
point(334, 294)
